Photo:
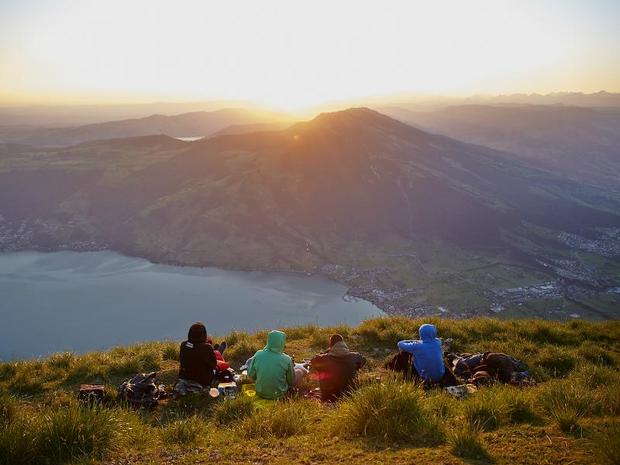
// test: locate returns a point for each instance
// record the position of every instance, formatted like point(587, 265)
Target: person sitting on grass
point(218, 350)
point(427, 355)
point(271, 369)
point(197, 361)
point(337, 369)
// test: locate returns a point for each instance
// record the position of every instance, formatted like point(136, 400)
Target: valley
point(416, 223)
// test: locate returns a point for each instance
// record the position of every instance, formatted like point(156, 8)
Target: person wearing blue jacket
point(427, 355)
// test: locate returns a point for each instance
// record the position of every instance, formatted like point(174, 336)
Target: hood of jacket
point(276, 341)
point(339, 349)
point(197, 333)
point(427, 332)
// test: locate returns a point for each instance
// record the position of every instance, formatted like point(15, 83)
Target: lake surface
point(80, 301)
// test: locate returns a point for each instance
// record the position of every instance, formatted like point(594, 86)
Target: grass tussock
point(388, 411)
point(76, 431)
point(466, 442)
point(608, 445)
point(282, 420)
point(227, 412)
point(498, 406)
point(184, 431)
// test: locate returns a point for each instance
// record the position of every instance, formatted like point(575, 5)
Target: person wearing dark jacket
point(336, 368)
point(197, 358)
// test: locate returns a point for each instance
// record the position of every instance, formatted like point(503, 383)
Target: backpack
point(141, 390)
point(401, 362)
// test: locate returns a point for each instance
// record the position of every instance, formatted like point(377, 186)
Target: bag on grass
point(141, 390)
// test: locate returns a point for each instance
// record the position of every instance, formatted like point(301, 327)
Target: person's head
point(197, 333)
point(276, 341)
point(427, 331)
point(334, 339)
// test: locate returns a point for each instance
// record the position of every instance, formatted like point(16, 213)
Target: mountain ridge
point(325, 192)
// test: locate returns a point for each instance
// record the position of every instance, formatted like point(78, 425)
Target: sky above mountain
point(291, 55)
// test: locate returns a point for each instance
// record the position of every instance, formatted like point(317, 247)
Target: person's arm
point(210, 360)
point(290, 373)
point(407, 345)
point(252, 369)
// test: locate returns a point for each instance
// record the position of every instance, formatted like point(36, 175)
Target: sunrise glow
point(291, 55)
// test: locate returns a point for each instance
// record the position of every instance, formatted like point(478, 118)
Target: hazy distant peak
point(354, 112)
point(157, 140)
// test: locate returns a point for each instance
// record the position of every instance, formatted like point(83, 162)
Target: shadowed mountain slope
point(354, 188)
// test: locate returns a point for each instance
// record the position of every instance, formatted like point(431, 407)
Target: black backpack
point(141, 391)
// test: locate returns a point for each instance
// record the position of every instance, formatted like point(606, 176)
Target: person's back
point(337, 369)
point(271, 369)
point(427, 354)
point(196, 357)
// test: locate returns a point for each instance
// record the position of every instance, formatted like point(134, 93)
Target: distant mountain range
point(195, 124)
point(583, 143)
point(384, 207)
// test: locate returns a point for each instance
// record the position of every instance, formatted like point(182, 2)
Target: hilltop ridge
point(572, 413)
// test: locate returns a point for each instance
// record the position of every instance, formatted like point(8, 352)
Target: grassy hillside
point(571, 416)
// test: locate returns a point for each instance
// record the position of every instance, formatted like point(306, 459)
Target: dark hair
point(197, 333)
point(334, 338)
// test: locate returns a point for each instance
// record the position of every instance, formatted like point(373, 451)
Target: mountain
point(195, 124)
point(583, 143)
point(257, 127)
point(79, 115)
point(580, 99)
point(373, 202)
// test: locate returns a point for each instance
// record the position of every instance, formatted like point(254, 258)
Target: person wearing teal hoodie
point(271, 369)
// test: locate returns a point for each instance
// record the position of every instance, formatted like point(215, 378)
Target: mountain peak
point(357, 113)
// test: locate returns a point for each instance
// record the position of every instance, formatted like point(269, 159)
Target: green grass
point(388, 411)
point(466, 441)
point(575, 405)
point(282, 420)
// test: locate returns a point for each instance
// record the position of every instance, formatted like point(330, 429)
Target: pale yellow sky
point(292, 54)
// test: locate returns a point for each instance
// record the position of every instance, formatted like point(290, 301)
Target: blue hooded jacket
point(427, 353)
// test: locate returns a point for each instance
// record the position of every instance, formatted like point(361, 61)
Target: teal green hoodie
point(271, 368)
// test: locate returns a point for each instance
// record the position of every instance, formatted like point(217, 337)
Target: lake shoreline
point(75, 300)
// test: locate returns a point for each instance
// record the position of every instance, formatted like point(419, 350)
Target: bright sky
point(290, 54)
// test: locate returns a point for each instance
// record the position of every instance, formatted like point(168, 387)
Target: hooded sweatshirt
point(271, 369)
point(337, 370)
point(427, 353)
point(196, 357)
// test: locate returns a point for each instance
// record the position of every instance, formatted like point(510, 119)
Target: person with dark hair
point(337, 369)
point(197, 358)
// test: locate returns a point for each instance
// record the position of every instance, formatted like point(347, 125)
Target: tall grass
point(283, 419)
point(466, 441)
point(388, 411)
point(499, 405)
point(227, 412)
point(75, 431)
point(608, 445)
point(184, 430)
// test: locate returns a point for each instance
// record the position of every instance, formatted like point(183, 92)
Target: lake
point(80, 301)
